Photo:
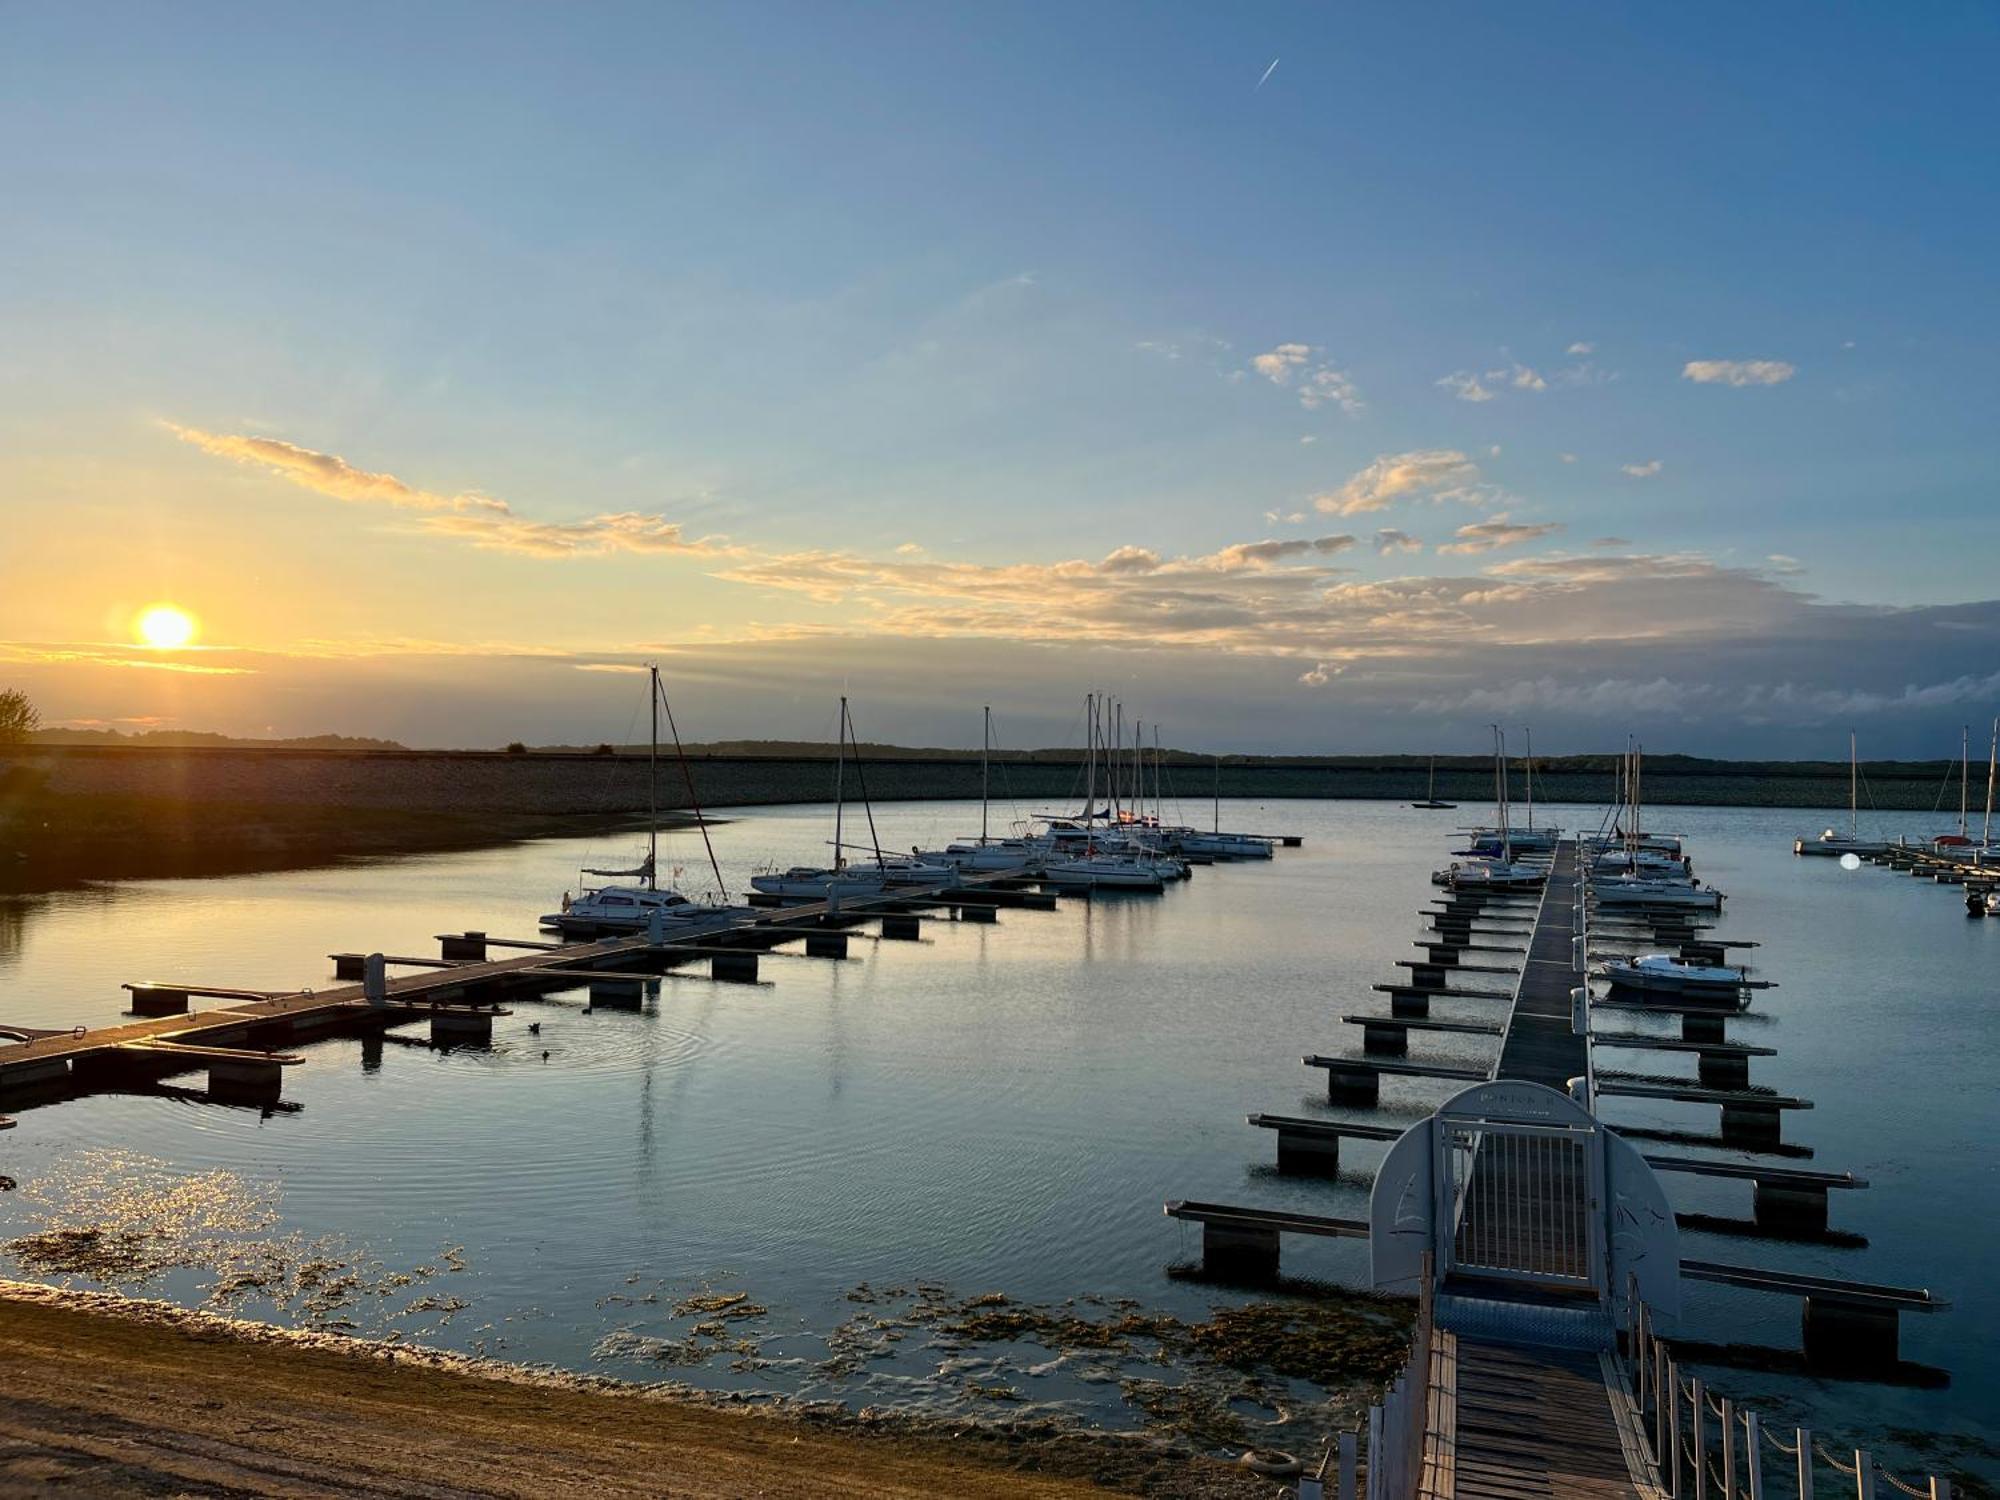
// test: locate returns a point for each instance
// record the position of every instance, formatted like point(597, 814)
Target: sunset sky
point(1603, 368)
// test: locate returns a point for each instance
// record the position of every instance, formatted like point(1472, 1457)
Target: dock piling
point(150, 1000)
point(466, 945)
point(826, 944)
point(617, 994)
point(459, 1028)
point(735, 968)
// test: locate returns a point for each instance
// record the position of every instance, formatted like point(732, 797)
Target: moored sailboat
point(1833, 842)
point(608, 909)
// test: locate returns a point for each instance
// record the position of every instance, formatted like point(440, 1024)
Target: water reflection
point(997, 1109)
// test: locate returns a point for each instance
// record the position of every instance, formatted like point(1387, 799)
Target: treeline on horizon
point(1458, 766)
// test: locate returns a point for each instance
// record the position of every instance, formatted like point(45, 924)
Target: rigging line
point(861, 778)
point(694, 798)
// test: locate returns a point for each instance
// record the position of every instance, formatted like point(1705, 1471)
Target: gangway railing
point(1709, 1448)
point(1392, 1465)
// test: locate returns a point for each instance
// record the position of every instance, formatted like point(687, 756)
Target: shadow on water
point(1772, 1361)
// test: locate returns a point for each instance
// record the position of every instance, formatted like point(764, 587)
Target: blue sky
point(879, 314)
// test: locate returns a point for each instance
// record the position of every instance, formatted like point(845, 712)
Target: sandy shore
point(105, 1395)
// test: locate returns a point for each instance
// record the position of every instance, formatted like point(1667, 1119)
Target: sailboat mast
point(1964, 765)
point(1853, 786)
point(1139, 769)
point(839, 769)
point(1159, 796)
point(1218, 794)
point(1090, 755)
point(1529, 734)
point(1117, 762)
point(653, 782)
point(985, 750)
point(1992, 765)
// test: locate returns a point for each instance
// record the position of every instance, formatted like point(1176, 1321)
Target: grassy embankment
point(72, 813)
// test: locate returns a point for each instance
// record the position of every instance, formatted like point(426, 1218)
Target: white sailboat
point(1494, 867)
point(1081, 857)
point(606, 909)
point(1833, 842)
point(986, 852)
point(1634, 886)
point(841, 879)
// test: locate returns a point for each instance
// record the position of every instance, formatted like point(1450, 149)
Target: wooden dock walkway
point(1518, 1420)
point(238, 1042)
point(1541, 1044)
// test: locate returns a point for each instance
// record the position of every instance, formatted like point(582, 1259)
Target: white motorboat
point(1668, 973)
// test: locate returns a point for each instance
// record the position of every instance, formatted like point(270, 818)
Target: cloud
point(33, 653)
point(1320, 675)
point(1784, 565)
point(1490, 536)
point(1263, 554)
point(1609, 541)
point(1645, 470)
point(1738, 371)
point(1580, 347)
point(1568, 458)
point(1439, 473)
point(328, 474)
point(1317, 385)
point(1310, 438)
point(1607, 698)
point(1389, 540)
point(1278, 364)
point(1470, 386)
point(480, 520)
point(598, 536)
point(910, 549)
point(1826, 703)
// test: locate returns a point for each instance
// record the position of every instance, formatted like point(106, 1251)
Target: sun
point(165, 627)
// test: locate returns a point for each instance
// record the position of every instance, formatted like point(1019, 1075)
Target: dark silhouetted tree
point(18, 718)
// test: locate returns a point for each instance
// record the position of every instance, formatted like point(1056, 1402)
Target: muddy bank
point(104, 1394)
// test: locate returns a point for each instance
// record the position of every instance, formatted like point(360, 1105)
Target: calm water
point(995, 1109)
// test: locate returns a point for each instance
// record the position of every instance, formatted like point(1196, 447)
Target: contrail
point(1267, 75)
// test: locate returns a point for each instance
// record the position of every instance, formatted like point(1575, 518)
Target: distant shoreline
point(95, 812)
